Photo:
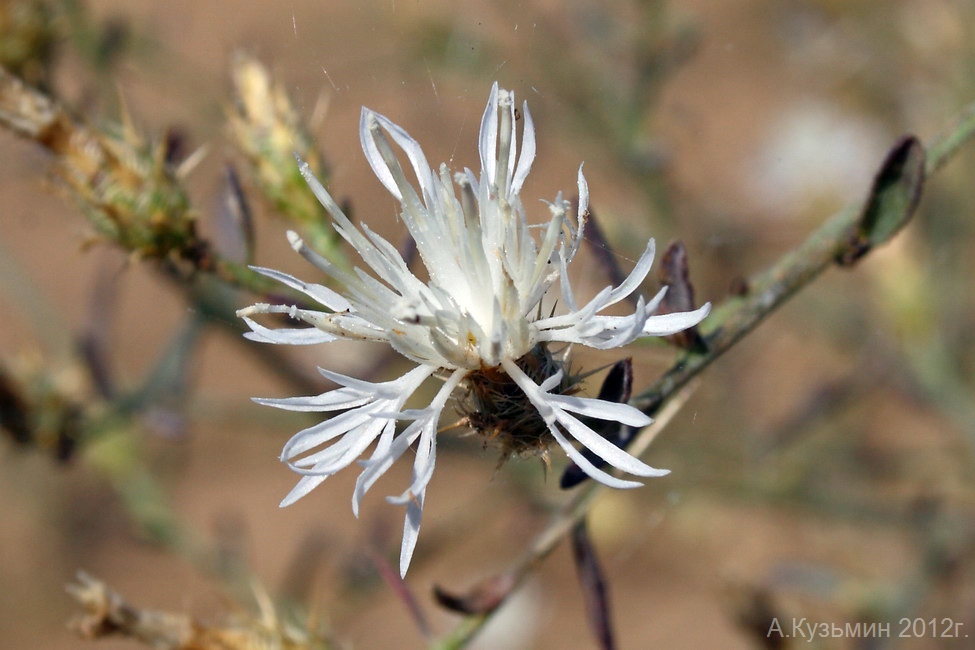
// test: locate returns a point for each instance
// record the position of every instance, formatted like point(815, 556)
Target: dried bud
point(484, 597)
point(129, 192)
point(124, 184)
point(268, 130)
point(675, 275)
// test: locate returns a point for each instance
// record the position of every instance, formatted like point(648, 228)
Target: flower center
point(497, 409)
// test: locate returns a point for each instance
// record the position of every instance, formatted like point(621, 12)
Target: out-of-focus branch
point(133, 197)
point(109, 615)
point(127, 188)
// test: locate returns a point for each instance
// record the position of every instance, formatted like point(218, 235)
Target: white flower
point(478, 323)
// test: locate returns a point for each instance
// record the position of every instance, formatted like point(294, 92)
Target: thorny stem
point(728, 324)
point(944, 147)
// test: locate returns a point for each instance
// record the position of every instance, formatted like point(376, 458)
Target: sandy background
point(777, 118)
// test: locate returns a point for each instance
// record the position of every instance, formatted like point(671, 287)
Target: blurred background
point(822, 470)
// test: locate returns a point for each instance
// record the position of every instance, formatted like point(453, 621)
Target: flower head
point(482, 323)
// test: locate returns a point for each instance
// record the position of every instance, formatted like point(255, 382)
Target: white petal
point(414, 153)
point(390, 449)
point(602, 410)
point(527, 151)
point(379, 167)
point(339, 455)
point(488, 139)
point(666, 324)
point(381, 450)
point(606, 450)
point(286, 336)
point(408, 382)
point(591, 470)
point(411, 532)
point(636, 276)
point(377, 465)
point(318, 292)
point(423, 466)
point(360, 425)
point(583, 188)
point(320, 192)
point(577, 317)
point(305, 485)
point(567, 295)
point(551, 382)
point(508, 145)
point(319, 262)
point(347, 422)
point(334, 400)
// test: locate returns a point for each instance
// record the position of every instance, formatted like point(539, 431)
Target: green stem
point(943, 148)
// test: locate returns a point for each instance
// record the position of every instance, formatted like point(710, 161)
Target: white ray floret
point(491, 275)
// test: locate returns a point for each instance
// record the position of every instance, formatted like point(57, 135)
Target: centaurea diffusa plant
point(483, 323)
